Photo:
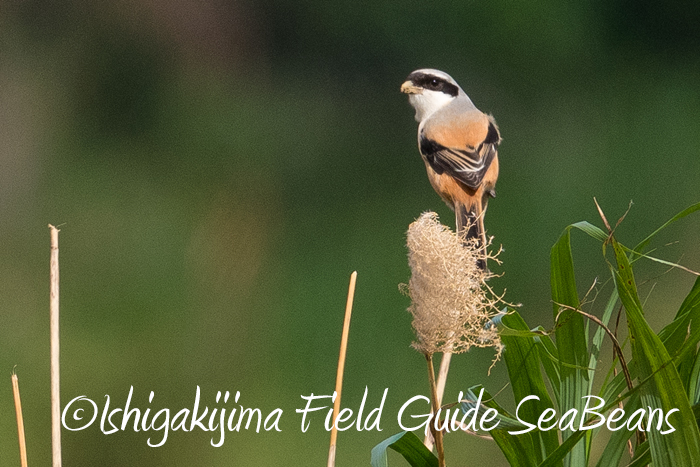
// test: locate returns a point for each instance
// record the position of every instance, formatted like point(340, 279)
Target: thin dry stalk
point(441, 382)
point(616, 345)
point(55, 371)
point(617, 350)
point(20, 421)
point(437, 434)
point(341, 367)
point(442, 375)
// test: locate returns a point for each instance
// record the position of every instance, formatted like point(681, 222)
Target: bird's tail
point(470, 224)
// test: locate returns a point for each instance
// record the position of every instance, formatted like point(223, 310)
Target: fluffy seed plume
point(451, 304)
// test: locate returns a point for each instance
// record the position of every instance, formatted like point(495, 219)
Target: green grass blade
point(409, 446)
point(523, 363)
point(517, 449)
point(616, 446)
point(505, 421)
point(599, 335)
point(686, 367)
point(694, 382)
point(663, 387)
point(563, 450)
point(504, 330)
point(676, 335)
point(514, 448)
point(591, 230)
point(696, 412)
point(571, 340)
point(617, 384)
point(547, 352)
point(680, 215)
point(642, 456)
point(636, 255)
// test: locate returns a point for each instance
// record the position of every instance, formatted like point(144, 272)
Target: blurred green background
point(219, 168)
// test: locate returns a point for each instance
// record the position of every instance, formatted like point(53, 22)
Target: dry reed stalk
point(437, 434)
point(441, 382)
point(341, 367)
point(20, 421)
point(55, 371)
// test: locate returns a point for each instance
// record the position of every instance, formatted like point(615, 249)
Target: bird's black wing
point(469, 164)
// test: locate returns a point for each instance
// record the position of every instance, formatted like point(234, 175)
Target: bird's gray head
point(429, 90)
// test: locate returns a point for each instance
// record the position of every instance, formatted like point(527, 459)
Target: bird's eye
point(434, 82)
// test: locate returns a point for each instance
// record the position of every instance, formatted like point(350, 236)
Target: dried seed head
point(451, 304)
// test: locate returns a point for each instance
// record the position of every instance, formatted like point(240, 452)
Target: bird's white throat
point(428, 102)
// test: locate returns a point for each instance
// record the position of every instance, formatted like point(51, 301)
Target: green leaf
point(618, 384)
point(661, 387)
point(638, 255)
point(517, 449)
point(571, 339)
point(504, 330)
point(505, 420)
point(591, 230)
point(563, 450)
point(675, 336)
point(547, 352)
point(514, 448)
point(600, 334)
point(680, 215)
point(642, 456)
point(694, 382)
point(617, 443)
point(696, 412)
point(409, 446)
point(680, 336)
point(523, 362)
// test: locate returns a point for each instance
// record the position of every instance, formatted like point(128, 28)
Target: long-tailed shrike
point(459, 145)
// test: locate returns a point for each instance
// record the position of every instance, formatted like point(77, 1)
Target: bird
point(459, 145)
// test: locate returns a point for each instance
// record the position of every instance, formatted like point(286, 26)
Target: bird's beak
point(409, 88)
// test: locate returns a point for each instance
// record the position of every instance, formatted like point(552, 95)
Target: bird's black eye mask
point(434, 83)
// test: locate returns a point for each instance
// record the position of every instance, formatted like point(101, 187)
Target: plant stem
point(20, 421)
point(55, 384)
point(437, 435)
point(341, 367)
point(441, 381)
